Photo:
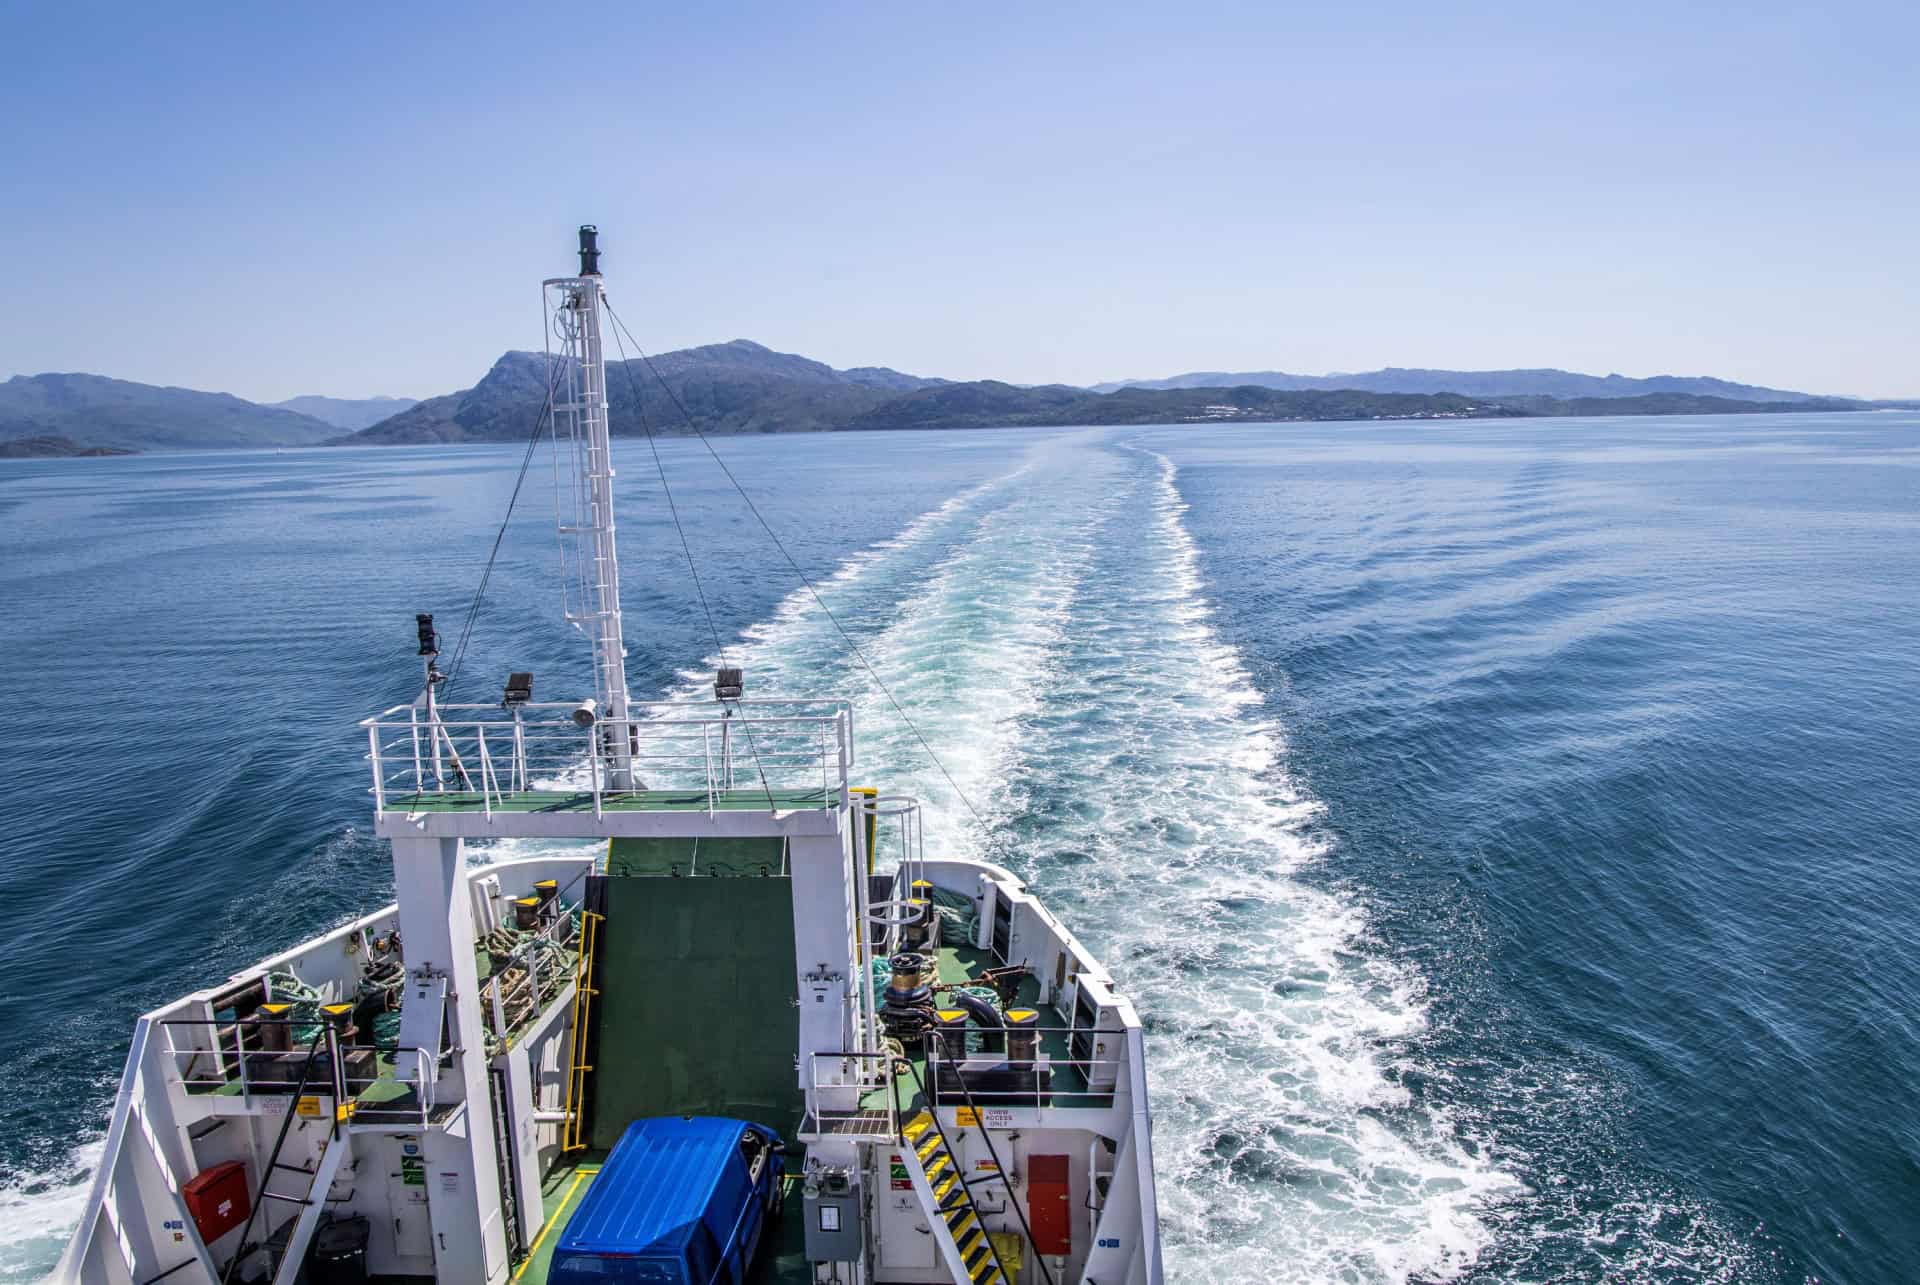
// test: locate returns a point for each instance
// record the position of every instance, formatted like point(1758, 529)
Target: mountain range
point(95, 411)
point(351, 414)
point(1477, 383)
point(744, 387)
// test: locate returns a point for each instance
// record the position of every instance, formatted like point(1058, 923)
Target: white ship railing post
point(240, 1060)
point(486, 772)
point(519, 774)
point(593, 766)
point(413, 724)
point(379, 771)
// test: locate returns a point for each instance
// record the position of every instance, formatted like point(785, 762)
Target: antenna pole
point(593, 579)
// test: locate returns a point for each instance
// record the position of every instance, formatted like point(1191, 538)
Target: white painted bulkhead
point(135, 1226)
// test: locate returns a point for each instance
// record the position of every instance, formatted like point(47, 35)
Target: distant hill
point(26, 448)
point(990, 403)
point(1477, 383)
point(737, 387)
point(743, 387)
point(1671, 404)
point(890, 380)
point(351, 414)
point(141, 417)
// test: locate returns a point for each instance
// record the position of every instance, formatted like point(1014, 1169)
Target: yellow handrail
point(571, 1138)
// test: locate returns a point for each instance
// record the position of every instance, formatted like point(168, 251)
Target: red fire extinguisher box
point(217, 1200)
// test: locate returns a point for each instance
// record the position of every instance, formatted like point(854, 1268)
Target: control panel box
point(831, 1205)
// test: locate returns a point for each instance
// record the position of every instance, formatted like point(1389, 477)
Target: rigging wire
point(805, 579)
point(693, 570)
point(540, 424)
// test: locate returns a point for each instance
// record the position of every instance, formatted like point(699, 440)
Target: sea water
point(1507, 831)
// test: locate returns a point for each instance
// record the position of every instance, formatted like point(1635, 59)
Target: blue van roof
point(655, 1185)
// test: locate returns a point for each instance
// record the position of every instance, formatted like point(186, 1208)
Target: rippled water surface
point(1507, 830)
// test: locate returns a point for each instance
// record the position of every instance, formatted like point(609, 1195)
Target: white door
point(906, 1239)
point(408, 1215)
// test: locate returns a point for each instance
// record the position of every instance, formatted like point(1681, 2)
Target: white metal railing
point(898, 833)
point(489, 757)
point(539, 968)
point(994, 1076)
point(231, 1058)
point(837, 1084)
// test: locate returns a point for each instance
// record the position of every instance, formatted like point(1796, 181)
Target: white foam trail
point(1287, 1150)
point(1062, 660)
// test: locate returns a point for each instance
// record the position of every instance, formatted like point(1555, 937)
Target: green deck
point(560, 1196)
point(750, 800)
point(695, 1010)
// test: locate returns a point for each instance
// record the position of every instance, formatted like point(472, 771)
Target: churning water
point(1504, 829)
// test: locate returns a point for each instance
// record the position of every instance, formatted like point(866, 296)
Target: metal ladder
point(943, 1189)
point(949, 1203)
point(320, 1178)
point(573, 1131)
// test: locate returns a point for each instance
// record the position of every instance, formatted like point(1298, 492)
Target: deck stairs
point(948, 1202)
point(312, 1201)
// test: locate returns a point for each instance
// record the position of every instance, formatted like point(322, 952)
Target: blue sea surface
point(1508, 830)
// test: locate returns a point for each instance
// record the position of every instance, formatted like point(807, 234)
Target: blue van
point(681, 1200)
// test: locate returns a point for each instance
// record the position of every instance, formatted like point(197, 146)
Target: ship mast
point(591, 596)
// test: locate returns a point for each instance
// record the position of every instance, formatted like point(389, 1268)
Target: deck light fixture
point(519, 689)
point(728, 684)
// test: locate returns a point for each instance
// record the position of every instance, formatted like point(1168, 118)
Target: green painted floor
point(565, 1186)
point(747, 800)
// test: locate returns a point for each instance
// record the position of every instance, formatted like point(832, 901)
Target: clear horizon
point(1075, 196)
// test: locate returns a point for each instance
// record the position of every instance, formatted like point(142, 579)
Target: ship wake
point(1049, 636)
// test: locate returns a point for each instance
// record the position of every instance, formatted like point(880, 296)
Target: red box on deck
point(1049, 1209)
point(217, 1200)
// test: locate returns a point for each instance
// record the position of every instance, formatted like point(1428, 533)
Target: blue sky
point(284, 198)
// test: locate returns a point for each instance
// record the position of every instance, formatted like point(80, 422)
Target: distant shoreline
point(114, 453)
point(53, 447)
